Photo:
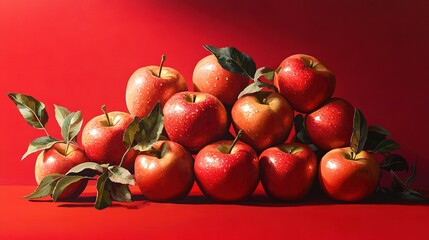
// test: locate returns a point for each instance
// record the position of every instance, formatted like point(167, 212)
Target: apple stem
point(235, 141)
point(353, 155)
point(103, 108)
point(160, 66)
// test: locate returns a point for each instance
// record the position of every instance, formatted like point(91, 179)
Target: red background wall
point(80, 54)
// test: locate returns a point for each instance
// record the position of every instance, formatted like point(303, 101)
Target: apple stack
point(166, 124)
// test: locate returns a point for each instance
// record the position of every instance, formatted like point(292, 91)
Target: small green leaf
point(63, 184)
point(121, 192)
point(32, 110)
point(233, 60)
point(89, 169)
point(103, 198)
point(394, 162)
point(60, 114)
point(412, 175)
point(131, 134)
point(120, 175)
point(360, 132)
point(300, 130)
point(380, 130)
point(265, 72)
point(71, 126)
point(41, 143)
point(255, 87)
point(386, 146)
point(46, 186)
point(150, 128)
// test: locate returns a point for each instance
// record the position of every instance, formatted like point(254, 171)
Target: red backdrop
point(80, 54)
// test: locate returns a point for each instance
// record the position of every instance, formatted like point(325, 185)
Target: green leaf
point(150, 129)
point(41, 143)
point(32, 110)
point(46, 186)
point(71, 126)
point(132, 133)
point(255, 87)
point(265, 72)
point(380, 130)
point(120, 175)
point(360, 132)
point(394, 162)
point(89, 169)
point(60, 114)
point(412, 175)
point(103, 198)
point(386, 146)
point(300, 130)
point(233, 60)
point(63, 184)
point(121, 193)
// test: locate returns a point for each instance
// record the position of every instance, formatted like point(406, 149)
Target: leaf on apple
point(402, 189)
point(46, 186)
point(88, 169)
point(121, 192)
point(379, 129)
point(71, 126)
point(233, 60)
point(120, 175)
point(256, 87)
point(150, 129)
point(38, 144)
point(360, 132)
point(103, 198)
point(32, 110)
point(132, 133)
point(394, 162)
point(60, 114)
point(386, 146)
point(63, 184)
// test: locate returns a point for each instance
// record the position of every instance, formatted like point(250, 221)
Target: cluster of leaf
point(34, 112)
point(238, 62)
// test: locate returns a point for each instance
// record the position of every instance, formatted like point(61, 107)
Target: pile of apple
point(153, 145)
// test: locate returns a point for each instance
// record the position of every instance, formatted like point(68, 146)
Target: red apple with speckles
point(305, 82)
point(152, 84)
point(56, 160)
point(194, 119)
point(331, 126)
point(288, 171)
point(166, 172)
point(102, 139)
point(227, 175)
point(266, 119)
point(347, 179)
point(210, 77)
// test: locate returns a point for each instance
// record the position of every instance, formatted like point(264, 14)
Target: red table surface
point(197, 217)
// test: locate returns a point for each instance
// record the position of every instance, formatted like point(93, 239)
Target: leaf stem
point(235, 141)
point(46, 131)
point(125, 154)
point(103, 108)
point(160, 65)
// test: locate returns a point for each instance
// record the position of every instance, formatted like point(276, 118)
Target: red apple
point(210, 77)
point(346, 179)
point(56, 160)
point(266, 119)
point(288, 171)
point(331, 126)
point(102, 139)
point(166, 172)
point(224, 175)
point(151, 84)
point(305, 82)
point(194, 119)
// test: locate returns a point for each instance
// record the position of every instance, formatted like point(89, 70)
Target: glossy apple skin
point(305, 87)
point(103, 143)
point(54, 160)
point(210, 77)
point(227, 177)
point(348, 180)
point(194, 124)
point(263, 124)
point(331, 126)
point(167, 178)
point(145, 88)
point(288, 171)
